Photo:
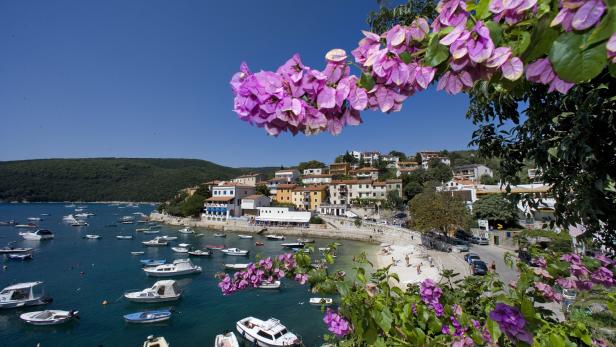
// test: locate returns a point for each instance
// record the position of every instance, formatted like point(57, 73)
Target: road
point(492, 253)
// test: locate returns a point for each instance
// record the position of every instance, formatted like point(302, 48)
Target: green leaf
point(521, 43)
point(480, 8)
point(605, 29)
point(556, 340)
point(493, 329)
point(612, 70)
point(543, 37)
point(573, 63)
point(405, 57)
point(366, 81)
point(383, 318)
point(436, 53)
point(329, 258)
point(553, 151)
point(496, 32)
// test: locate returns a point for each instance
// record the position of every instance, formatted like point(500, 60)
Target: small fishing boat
point(127, 222)
point(35, 219)
point(292, 245)
point(226, 339)
point(179, 249)
point(48, 317)
point(270, 285)
point(152, 262)
point(156, 242)
point(199, 253)
point(82, 215)
point(148, 317)
point(92, 237)
point(324, 249)
point(20, 256)
point(215, 246)
point(151, 231)
point(305, 240)
point(69, 206)
point(41, 234)
point(23, 294)
point(237, 266)
point(139, 230)
point(161, 291)
point(220, 235)
point(137, 253)
point(321, 301)
point(269, 333)
point(26, 226)
point(169, 238)
point(275, 237)
point(259, 243)
point(124, 237)
point(45, 214)
point(7, 223)
point(178, 268)
point(185, 245)
point(244, 236)
point(155, 342)
point(79, 223)
point(186, 230)
point(234, 251)
point(12, 250)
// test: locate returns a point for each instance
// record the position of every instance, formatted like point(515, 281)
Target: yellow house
point(284, 193)
point(309, 197)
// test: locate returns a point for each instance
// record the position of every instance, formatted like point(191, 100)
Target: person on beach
point(418, 269)
point(407, 260)
point(493, 266)
point(393, 261)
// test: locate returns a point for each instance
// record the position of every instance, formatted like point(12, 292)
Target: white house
point(250, 203)
point(429, 155)
point(282, 216)
point(314, 171)
point(226, 201)
point(249, 180)
point(366, 173)
point(343, 192)
point(316, 179)
point(391, 160)
point(405, 167)
point(471, 172)
point(291, 175)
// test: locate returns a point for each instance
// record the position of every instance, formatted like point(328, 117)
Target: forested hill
point(107, 179)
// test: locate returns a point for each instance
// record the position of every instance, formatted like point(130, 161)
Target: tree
point(487, 179)
point(496, 209)
point(394, 201)
point(312, 164)
point(411, 189)
point(432, 210)
point(438, 171)
point(263, 190)
point(349, 158)
point(398, 154)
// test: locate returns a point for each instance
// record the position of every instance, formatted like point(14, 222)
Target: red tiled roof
point(317, 176)
point(286, 186)
point(252, 197)
point(220, 198)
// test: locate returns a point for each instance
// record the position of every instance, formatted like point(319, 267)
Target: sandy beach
point(420, 265)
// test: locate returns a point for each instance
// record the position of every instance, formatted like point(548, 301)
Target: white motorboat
point(179, 249)
point(41, 234)
point(48, 317)
point(235, 251)
point(220, 235)
point(26, 226)
point(321, 301)
point(12, 250)
point(269, 333)
point(324, 249)
point(155, 342)
point(139, 230)
point(186, 230)
point(292, 245)
point(275, 237)
point(184, 245)
point(156, 242)
point(199, 253)
point(70, 206)
point(151, 231)
point(305, 240)
point(178, 268)
point(124, 237)
point(270, 285)
point(137, 253)
point(236, 266)
point(35, 219)
point(79, 223)
point(92, 237)
point(69, 218)
point(20, 256)
point(161, 291)
point(226, 339)
point(23, 294)
point(82, 215)
point(244, 236)
point(168, 238)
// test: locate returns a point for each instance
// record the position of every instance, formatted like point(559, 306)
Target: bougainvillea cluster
point(404, 60)
point(511, 322)
point(336, 323)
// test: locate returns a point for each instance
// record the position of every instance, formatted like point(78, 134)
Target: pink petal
point(371, 35)
point(452, 36)
point(588, 15)
point(395, 36)
point(559, 17)
point(327, 98)
point(499, 57)
point(611, 43)
point(513, 69)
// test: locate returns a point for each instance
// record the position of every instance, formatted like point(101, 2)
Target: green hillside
point(107, 179)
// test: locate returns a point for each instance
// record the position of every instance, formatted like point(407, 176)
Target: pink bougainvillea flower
point(579, 14)
point(367, 46)
point(605, 260)
point(418, 30)
point(336, 323)
point(611, 48)
point(566, 283)
point(450, 13)
point(512, 11)
point(542, 272)
point(454, 82)
point(540, 71)
point(513, 69)
point(603, 276)
point(547, 292)
point(477, 43)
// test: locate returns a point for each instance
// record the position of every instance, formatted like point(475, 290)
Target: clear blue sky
point(151, 79)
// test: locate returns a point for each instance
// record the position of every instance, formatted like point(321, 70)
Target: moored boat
point(269, 333)
point(152, 262)
point(215, 246)
point(237, 266)
point(305, 240)
point(321, 301)
point(23, 294)
point(292, 245)
point(137, 253)
point(40, 234)
point(161, 291)
point(48, 317)
point(275, 237)
point(199, 253)
point(168, 238)
point(20, 256)
point(178, 268)
point(226, 339)
point(26, 226)
point(244, 236)
point(124, 237)
point(151, 231)
point(156, 242)
point(146, 317)
point(186, 230)
point(12, 250)
point(270, 285)
point(220, 235)
point(235, 251)
point(92, 237)
point(179, 249)
point(155, 342)
point(259, 243)
point(35, 219)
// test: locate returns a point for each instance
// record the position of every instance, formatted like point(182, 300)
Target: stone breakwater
point(334, 228)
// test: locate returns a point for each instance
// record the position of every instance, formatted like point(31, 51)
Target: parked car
point(479, 268)
point(469, 257)
point(475, 239)
point(460, 248)
point(484, 241)
point(400, 215)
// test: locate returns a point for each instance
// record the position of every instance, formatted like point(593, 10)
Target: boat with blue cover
point(148, 316)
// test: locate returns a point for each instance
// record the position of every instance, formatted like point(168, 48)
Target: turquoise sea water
point(109, 270)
